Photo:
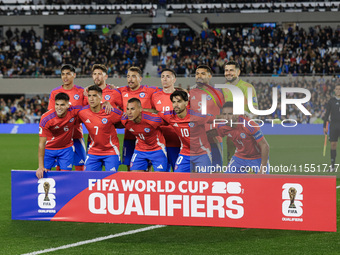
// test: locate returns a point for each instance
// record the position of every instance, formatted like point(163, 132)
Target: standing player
point(143, 93)
point(161, 101)
point(195, 154)
point(55, 135)
point(333, 109)
point(104, 146)
point(232, 72)
point(113, 96)
point(150, 144)
point(77, 98)
point(252, 149)
point(214, 102)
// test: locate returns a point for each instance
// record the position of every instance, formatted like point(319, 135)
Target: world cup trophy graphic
point(46, 189)
point(292, 194)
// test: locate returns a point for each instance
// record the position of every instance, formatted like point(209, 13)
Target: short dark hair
point(136, 69)
point(133, 100)
point(169, 70)
point(207, 68)
point(68, 67)
point(180, 93)
point(233, 63)
point(62, 96)
point(228, 104)
point(99, 66)
point(95, 88)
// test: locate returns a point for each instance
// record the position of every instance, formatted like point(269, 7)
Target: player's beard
point(231, 80)
point(98, 82)
point(179, 110)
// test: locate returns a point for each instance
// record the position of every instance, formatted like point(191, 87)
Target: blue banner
point(34, 199)
point(267, 129)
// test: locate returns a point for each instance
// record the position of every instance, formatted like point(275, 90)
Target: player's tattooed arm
point(264, 146)
point(41, 153)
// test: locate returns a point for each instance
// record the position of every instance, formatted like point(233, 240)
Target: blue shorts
point(128, 149)
point(217, 154)
point(140, 160)
point(96, 162)
point(172, 153)
point(80, 152)
point(63, 156)
point(239, 165)
point(187, 164)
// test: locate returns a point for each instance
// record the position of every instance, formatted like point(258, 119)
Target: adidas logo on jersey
point(113, 169)
point(229, 135)
point(160, 167)
point(87, 121)
point(159, 102)
point(56, 127)
point(70, 165)
point(81, 162)
point(126, 95)
point(175, 125)
point(131, 130)
point(193, 97)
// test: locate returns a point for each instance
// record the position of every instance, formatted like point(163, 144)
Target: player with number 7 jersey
point(104, 146)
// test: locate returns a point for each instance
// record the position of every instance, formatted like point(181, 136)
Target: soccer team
point(166, 128)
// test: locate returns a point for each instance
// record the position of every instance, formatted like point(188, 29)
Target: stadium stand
point(25, 54)
point(265, 51)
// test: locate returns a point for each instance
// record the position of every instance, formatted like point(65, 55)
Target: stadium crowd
point(260, 50)
point(23, 110)
point(24, 53)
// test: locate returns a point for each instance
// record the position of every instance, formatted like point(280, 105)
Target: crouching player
point(150, 142)
point(104, 146)
point(252, 149)
point(195, 154)
point(55, 135)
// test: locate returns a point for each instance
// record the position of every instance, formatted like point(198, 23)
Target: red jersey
point(162, 103)
point(104, 140)
point(59, 131)
point(214, 99)
point(245, 137)
point(143, 94)
point(114, 96)
point(191, 131)
point(76, 95)
point(147, 132)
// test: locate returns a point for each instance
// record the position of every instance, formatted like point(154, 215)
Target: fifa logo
point(292, 200)
point(46, 190)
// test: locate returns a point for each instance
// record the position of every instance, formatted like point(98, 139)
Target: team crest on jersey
point(71, 120)
point(209, 97)
point(243, 135)
point(147, 130)
point(76, 96)
point(107, 97)
point(142, 95)
point(104, 120)
point(191, 124)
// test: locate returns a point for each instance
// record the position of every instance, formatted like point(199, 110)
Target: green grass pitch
point(18, 237)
